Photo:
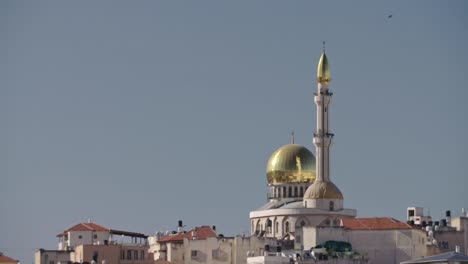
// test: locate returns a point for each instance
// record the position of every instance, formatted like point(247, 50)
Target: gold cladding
point(291, 163)
point(323, 69)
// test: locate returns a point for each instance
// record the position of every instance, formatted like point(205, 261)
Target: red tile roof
point(202, 232)
point(85, 227)
point(375, 223)
point(5, 259)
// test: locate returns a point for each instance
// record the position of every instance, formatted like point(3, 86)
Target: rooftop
point(374, 223)
point(448, 257)
point(202, 232)
point(5, 259)
point(99, 228)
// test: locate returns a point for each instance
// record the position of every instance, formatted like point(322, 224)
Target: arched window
point(284, 191)
point(296, 194)
point(276, 227)
point(290, 191)
point(286, 227)
point(327, 222)
point(268, 226)
point(303, 223)
point(332, 206)
point(257, 227)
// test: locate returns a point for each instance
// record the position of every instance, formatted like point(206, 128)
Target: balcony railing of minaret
point(324, 93)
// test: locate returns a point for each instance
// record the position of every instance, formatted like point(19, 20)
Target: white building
point(93, 243)
point(204, 245)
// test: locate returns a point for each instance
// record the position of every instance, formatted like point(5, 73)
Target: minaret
point(323, 137)
point(323, 194)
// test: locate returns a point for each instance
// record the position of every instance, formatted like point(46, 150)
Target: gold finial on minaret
point(323, 69)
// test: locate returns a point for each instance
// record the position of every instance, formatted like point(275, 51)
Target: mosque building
point(306, 209)
point(301, 192)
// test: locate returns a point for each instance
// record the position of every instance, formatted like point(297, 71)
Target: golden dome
point(323, 190)
point(291, 163)
point(323, 69)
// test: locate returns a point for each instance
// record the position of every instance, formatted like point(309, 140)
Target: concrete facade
point(379, 246)
point(74, 238)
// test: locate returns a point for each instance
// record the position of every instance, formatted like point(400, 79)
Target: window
point(284, 192)
point(336, 222)
point(215, 253)
point(194, 254)
point(295, 192)
point(129, 254)
point(95, 256)
point(303, 223)
point(51, 262)
point(95, 236)
point(332, 205)
point(122, 254)
point(80, 237)
point(276, 227)
point(290, 191)
point(142, 255)
point(135, 254)
point(302, 191)
point(286, 227)
point(327, 222)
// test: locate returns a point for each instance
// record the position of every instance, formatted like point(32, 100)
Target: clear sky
point(139, 113)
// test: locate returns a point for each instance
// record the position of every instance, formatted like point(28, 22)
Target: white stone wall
point(211, 250)
point(461, 224)
point(58, 256)
point(323, 204)
point(175, 253)
point(310, 216)
point(389, 246)
point(380, 246)
point(314, 236)
point(252, 244)
point(87, 238)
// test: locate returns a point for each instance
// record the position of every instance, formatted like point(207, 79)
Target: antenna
point(292, 137)
point(323, 42)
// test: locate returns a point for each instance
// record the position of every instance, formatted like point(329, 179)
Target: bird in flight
point(390, 16)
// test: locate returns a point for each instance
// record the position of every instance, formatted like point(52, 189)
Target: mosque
point(305, 208)
point(301, 192)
